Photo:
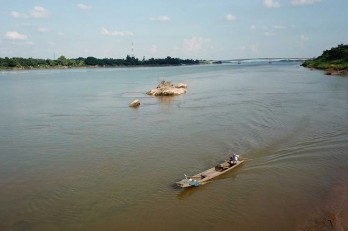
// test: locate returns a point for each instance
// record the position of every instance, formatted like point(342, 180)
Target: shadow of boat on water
point(185, 193)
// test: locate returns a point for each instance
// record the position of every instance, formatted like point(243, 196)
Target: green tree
point(62, 61)
point(335, 58)
point(91, 61)
point(12, 62)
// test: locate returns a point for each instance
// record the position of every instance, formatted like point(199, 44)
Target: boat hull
point(204, 177)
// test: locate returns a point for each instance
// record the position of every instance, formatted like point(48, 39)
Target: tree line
point(335, 58)
point(62, 61)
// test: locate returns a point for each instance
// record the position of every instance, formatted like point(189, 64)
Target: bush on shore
point(334, 59)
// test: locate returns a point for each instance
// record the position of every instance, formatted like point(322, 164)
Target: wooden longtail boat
point(203, 177)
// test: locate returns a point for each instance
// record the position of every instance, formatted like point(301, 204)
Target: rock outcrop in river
point(166, 88)
point(135, 103)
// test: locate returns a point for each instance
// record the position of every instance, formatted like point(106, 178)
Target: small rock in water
point(135, 103)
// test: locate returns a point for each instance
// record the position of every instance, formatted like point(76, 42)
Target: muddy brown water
point(74, 156)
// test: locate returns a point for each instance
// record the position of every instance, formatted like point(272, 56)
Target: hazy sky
point(198, 29)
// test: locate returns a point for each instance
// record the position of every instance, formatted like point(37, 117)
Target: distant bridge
point(264, 60)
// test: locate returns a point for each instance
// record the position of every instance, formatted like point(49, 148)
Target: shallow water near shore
point(74, 156)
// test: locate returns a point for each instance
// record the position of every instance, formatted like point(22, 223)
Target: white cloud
point(15, 14)
point(194, 44)
point(42, 29)
point(303, 2)
point(14, 35)
point(252, 27)
point(51, 43)
point(82, 6)
point(105, 31)
point(37, 12)
point(230, 17)
point(160, 18)
point(268, 33)
point(278, 27)
point(271, 3)
point(29, 43)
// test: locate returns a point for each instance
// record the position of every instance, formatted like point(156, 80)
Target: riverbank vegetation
point(63, 62)
point(333, 60)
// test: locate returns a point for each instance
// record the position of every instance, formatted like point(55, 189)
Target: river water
point(74, 156)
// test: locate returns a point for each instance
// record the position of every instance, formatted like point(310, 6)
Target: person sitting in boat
point(234, 159)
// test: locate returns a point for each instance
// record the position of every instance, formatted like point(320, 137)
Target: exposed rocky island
point(166, 88)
